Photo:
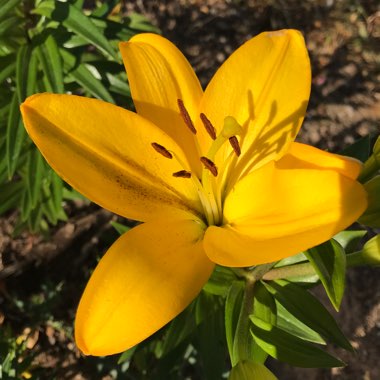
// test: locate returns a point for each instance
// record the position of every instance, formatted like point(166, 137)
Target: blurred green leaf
point(75, 20)
point(10, 194)
point(305, 307)
point(51, 63)
point(220, 281)
point(290, 349)
point(9, 23)
point(26, 72)
point(360, 149)
point(369, 255)
point(15, 136)
point(34, 175)
point(7, 67)
point(105, 8)
point(120, 228)
point(7, 6)
point(249, 370)
point(329, 262)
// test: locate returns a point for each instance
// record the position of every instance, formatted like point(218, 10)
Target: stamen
point(208, 126)
point(209, 165)
point(162, 150)
point(182, 174)
point(185, 116)
point(235, 145)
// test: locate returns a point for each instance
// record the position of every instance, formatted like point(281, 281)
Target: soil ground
point(343, 38)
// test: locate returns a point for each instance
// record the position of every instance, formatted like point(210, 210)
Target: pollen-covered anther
point(208, 126)
point(162, 150)
point(209, 165)
point(185, 116)
point(235, 145)
point(182, 174)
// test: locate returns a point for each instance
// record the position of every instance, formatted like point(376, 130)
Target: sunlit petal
point(265, 85)
point(277, 212)
point(105, 152)
point(301, 155)
point(159, 75)
point(145, 279)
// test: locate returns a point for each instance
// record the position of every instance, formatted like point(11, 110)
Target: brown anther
point(208, 126)
point(210, 166)
point(162, 150)
point(185, 116)
point(235, 145)
point(182, 174)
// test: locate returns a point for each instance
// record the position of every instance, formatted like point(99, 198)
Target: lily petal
point(148, 276)
point(159, 75)
point(265, 85)
point(105, 152)
point(277, 212)
point(300, 154)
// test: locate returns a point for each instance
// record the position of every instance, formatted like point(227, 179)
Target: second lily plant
point(229, 204)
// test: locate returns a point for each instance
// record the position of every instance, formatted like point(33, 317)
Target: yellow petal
point(159, 75)
point(277, 212)
point(265, 85)
point(300, 155)
point(146, 278)
point(105, 153)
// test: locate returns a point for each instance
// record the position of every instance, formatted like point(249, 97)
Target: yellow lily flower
point(215, 176)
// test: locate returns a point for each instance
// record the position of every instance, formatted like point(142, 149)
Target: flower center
point(210, 184)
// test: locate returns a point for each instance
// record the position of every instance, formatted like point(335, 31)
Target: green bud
point(249, 370)
point(369, 255)
point(371, 216)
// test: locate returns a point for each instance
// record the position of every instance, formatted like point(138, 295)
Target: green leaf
point(26, 72)
point(249, 370)
point(220, 281)
point(105, 9)
point(74, 19)
point(51, 63)
point(289, 323)
point(349, 240)
point(290, 349)
point(34, 176)
point(232, 312)
point(329, 262)
point(15, 136)
point(7, 6)
point(7, 67)
point(9, 23)
point(360, 149)
point(10, 195)
point(264, 307)
point(120, 228)
point(369, 255)
point(305, 307)
point(371, 216)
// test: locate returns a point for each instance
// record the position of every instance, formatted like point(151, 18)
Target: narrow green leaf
point(360, 149)
point(349, 240)
point(232, 312)
point(10, 195)
point(9, 23)
point(15, 136)
point(369, 255)
point(105, 9)
point(309, 310)
point(50, 59)
point(22, 69)
point(220, 281)
point(289, 323)
point(74, 19)
point(329, 262)
point(120, 228)
point(249, 370)
point(264, 307)
point(7, 67)
point(34, 176)
point(7, 6)
point(56, 191)
point(289, 349)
